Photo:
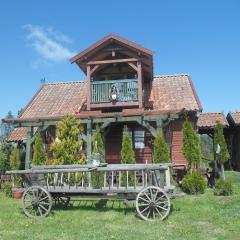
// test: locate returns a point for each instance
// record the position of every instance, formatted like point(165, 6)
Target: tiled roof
point(234, 117)
point(209, 120)
point(56, 100)
point(18, 134)
point(175, 92)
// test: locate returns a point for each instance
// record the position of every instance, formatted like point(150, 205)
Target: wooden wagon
point(146, 184)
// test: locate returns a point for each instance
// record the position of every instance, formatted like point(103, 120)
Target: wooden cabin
point(120, 89)
point(234, 139)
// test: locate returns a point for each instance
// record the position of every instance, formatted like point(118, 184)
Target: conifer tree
point(161, 152)
point(127, 152)
point(15, 159)
point(99, 152)
point(98, 145)
point(39, 154)
point(127, 156)
point(219, 139)
point(67, 146)
point(191, 146)
point(15, 165)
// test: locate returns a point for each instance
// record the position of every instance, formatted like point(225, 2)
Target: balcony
point(127, 92)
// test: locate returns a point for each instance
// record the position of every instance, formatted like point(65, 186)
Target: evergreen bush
point(15, 165)
point(66, 149)
point(223, 187)
point(219, 139)
point(161, 152)
point(127, 157)
point(97, 178)
point(194, 183)
point(191, 146)
point(39, 155)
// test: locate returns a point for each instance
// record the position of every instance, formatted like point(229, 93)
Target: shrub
point(39, 155)
point(161, 152)
point(223, 188)
point(127, 157)
point(194, 183)
point(219, 139)
point(7, 189)
point(15, 159)
point(66, 148)
point(191, 146)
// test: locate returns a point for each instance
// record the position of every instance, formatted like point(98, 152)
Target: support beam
point(159, 124)
point(88, 87)
point(94, 69)
point(89, 142)
point(147, 125)
point(139, 71)
point(28, 157)
point(133, 66)
point(113, 61)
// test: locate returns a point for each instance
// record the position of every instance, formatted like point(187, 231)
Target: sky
point(200, 37)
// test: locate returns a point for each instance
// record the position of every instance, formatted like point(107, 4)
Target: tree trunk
point(222, 172)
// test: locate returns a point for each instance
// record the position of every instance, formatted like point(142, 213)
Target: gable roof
point(234, 118)
point(209, 120)
point(107, 39)
point(171, 93)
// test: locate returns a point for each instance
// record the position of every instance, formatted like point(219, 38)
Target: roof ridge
point(235, 111)
point(59, 83)
point(212, 113)
point(172, 75)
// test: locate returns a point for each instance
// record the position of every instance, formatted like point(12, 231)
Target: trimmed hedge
point(223, 188)
point(194, 183)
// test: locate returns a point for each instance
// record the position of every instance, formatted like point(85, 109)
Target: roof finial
point(43, 80)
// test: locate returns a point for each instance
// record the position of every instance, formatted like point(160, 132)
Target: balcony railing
point(127, 90)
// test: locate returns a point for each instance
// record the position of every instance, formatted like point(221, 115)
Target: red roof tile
point(18, 134)
point(54, 100)
point(209, 120)
point(234, 117)
point(174, 92)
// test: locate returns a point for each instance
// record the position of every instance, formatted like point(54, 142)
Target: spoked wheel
point(36, 202)
point(152, 204)
point(62, 201)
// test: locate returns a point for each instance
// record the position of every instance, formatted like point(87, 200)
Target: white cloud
point(48, 43)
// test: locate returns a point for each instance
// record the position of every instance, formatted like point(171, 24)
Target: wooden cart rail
point(111, 178)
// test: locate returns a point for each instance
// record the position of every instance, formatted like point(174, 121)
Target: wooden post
point(88, 87)
point(28, 157)
point(167, 179)
point(139, 72)
point(159, 124)
point(89, 142)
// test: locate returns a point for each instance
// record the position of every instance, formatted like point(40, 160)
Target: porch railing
point(127, 90)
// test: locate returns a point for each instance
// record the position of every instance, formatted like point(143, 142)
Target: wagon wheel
point(36, 202)
point(62, 201)
point(152, 204)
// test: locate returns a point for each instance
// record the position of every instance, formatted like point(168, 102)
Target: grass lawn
point(193, 217)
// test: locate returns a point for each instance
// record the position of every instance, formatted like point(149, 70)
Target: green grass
point(193, 217)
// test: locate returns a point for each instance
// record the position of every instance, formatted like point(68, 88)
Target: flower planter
point(17, 194)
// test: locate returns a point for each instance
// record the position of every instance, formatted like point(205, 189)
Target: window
point(139, 139)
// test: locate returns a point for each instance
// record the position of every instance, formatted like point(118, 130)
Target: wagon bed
point(145, 183)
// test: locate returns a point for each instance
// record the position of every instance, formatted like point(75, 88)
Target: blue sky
point(201, 38)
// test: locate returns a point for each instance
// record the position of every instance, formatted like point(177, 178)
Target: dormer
point(116, 71)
